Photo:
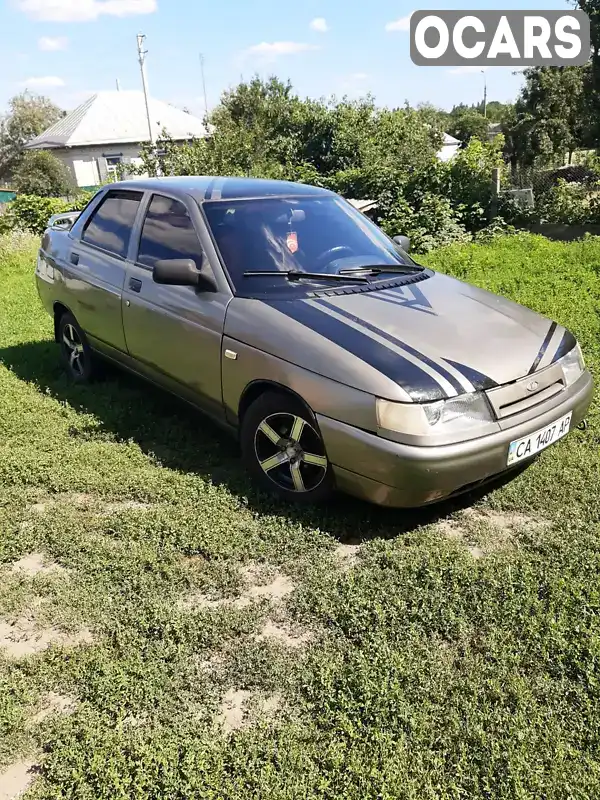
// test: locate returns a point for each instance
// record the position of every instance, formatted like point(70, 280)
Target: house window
point(112, 167)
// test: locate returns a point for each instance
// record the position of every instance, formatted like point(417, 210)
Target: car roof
point(206, 187)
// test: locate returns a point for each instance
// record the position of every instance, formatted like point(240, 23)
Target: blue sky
point(68, 49)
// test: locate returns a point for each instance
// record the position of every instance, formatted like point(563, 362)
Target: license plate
point(521, 449)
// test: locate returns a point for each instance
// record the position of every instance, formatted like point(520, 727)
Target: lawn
point(168, 632)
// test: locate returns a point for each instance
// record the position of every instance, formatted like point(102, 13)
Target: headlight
point(572, 365)
point(457, 415)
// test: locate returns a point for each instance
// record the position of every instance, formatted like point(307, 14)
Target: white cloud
point(319, 24)
point(466, 70)
point(45, 82)
point(270, 51)
point(354, 85)
point(402, 24)
point(83, 10)
point(51, 44)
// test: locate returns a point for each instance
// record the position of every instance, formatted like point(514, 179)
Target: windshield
point(320, 235)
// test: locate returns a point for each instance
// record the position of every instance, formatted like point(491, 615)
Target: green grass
point(429, 673)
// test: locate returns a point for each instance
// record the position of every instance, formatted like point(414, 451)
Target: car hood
point(427, 338)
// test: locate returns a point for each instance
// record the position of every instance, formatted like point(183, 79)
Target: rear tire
point(76, 354)
point(283, 450)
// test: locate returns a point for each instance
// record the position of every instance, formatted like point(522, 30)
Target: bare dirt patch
point(283, 634)
point(125, 505)
point(494, 529)
point(275, 590)
point(36, 564)
point(241, 708)
point(233, 709)
point(23, 637)
point(199, 600)
point(85, 501)
point(54, 703)
point(15, 781)
point(475, 551)
point(505, 520)
point(77, 499)
point(258, 587)
point(346, 554)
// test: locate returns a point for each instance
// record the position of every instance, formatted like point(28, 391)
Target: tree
point(468, 124)
point(550, 119)
point(28, 116)
point(496, 111)
point(42, 173)
point(262, 128)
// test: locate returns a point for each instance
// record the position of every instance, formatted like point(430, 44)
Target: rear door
point(174, 332)
point(96, 267)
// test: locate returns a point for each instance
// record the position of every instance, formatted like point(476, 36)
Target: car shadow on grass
point(127, 408)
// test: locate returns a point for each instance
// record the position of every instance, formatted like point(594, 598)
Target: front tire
point(76, 354)
point(283, 450)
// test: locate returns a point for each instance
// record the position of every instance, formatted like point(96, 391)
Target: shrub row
point(31, 213)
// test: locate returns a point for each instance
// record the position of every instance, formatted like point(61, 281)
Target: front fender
point(323, 395)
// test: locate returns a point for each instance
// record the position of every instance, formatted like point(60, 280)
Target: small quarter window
point(110, 225)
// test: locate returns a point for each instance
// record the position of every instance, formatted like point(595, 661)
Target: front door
point(174, 332)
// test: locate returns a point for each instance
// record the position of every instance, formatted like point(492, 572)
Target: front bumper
point(392, 474)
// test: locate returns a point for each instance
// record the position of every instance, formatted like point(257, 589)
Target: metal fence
point(541, 181)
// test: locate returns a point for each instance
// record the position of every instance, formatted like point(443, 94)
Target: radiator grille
point(526, 393)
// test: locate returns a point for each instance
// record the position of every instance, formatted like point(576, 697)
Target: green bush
point(42, 173)
point(31, 213)
point(434, 224)
point(570, 204)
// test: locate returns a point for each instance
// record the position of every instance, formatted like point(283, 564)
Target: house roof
point(363, 205)
point(117, 118)
point(448, 140)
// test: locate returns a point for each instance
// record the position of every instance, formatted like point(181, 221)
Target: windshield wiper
point(297, 275)
point(377, 269)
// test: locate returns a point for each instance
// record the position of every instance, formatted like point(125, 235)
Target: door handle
point(135, 284)
point(75, 258)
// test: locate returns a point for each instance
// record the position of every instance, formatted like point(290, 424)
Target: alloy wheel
point(75, 351)
point(290, 452)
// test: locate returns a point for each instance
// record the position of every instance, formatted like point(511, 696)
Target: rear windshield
point(321, 234)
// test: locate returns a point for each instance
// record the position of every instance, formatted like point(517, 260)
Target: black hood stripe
point(543, 348)
point(419, 385)
point(399, 343)
point(399, 303)
point(478, 379)
point(567, 344)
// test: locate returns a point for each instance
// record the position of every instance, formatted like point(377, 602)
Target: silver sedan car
point(294, 322)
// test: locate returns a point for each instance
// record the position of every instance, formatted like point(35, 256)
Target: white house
point(450, 147)
point(108, 130)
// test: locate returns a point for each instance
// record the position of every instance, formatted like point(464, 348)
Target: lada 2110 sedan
point(291, 319)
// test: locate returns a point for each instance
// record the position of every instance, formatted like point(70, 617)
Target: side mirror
point(180, 272)
point(403, 241)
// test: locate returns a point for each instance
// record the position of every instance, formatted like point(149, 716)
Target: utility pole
point(484, 93)
point(118, 85)
point(142, 59)
point(203, 85)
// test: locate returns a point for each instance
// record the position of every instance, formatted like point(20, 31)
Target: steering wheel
point(332, 254)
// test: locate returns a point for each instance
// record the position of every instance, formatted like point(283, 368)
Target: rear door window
point(168, 233)
point(111, 224)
